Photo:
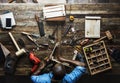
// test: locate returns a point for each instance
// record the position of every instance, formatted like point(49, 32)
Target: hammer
point(108, 35)
point(20, 51)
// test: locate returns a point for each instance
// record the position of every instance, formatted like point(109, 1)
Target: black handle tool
point(40, 25)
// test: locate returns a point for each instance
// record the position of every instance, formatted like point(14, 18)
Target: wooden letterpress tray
point(97, 57)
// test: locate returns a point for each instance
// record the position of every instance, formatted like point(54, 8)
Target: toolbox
point(97, 57)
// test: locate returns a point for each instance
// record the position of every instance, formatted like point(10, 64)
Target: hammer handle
point(99, 39)
point(15, 43)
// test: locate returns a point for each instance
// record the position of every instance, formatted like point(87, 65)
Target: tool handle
point(15, 43)
point(30, 38)
point(41, 28)
point(37, 18)
point(25, 33)
point(33, 58)
point(40, 25)
point(99, 39)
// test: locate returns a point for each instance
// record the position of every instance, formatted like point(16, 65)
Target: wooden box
point(54, 13)
point(97, 57)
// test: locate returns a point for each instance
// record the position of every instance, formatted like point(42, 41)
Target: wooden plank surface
point(24, 16)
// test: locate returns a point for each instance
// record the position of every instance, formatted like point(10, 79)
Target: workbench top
point(25, 22)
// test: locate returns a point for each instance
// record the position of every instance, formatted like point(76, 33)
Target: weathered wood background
point(64, 1)
point(24, 16)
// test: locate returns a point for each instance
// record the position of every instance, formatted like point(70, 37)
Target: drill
point(35, 60)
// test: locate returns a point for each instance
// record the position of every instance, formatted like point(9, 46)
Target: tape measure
point(71, 18)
